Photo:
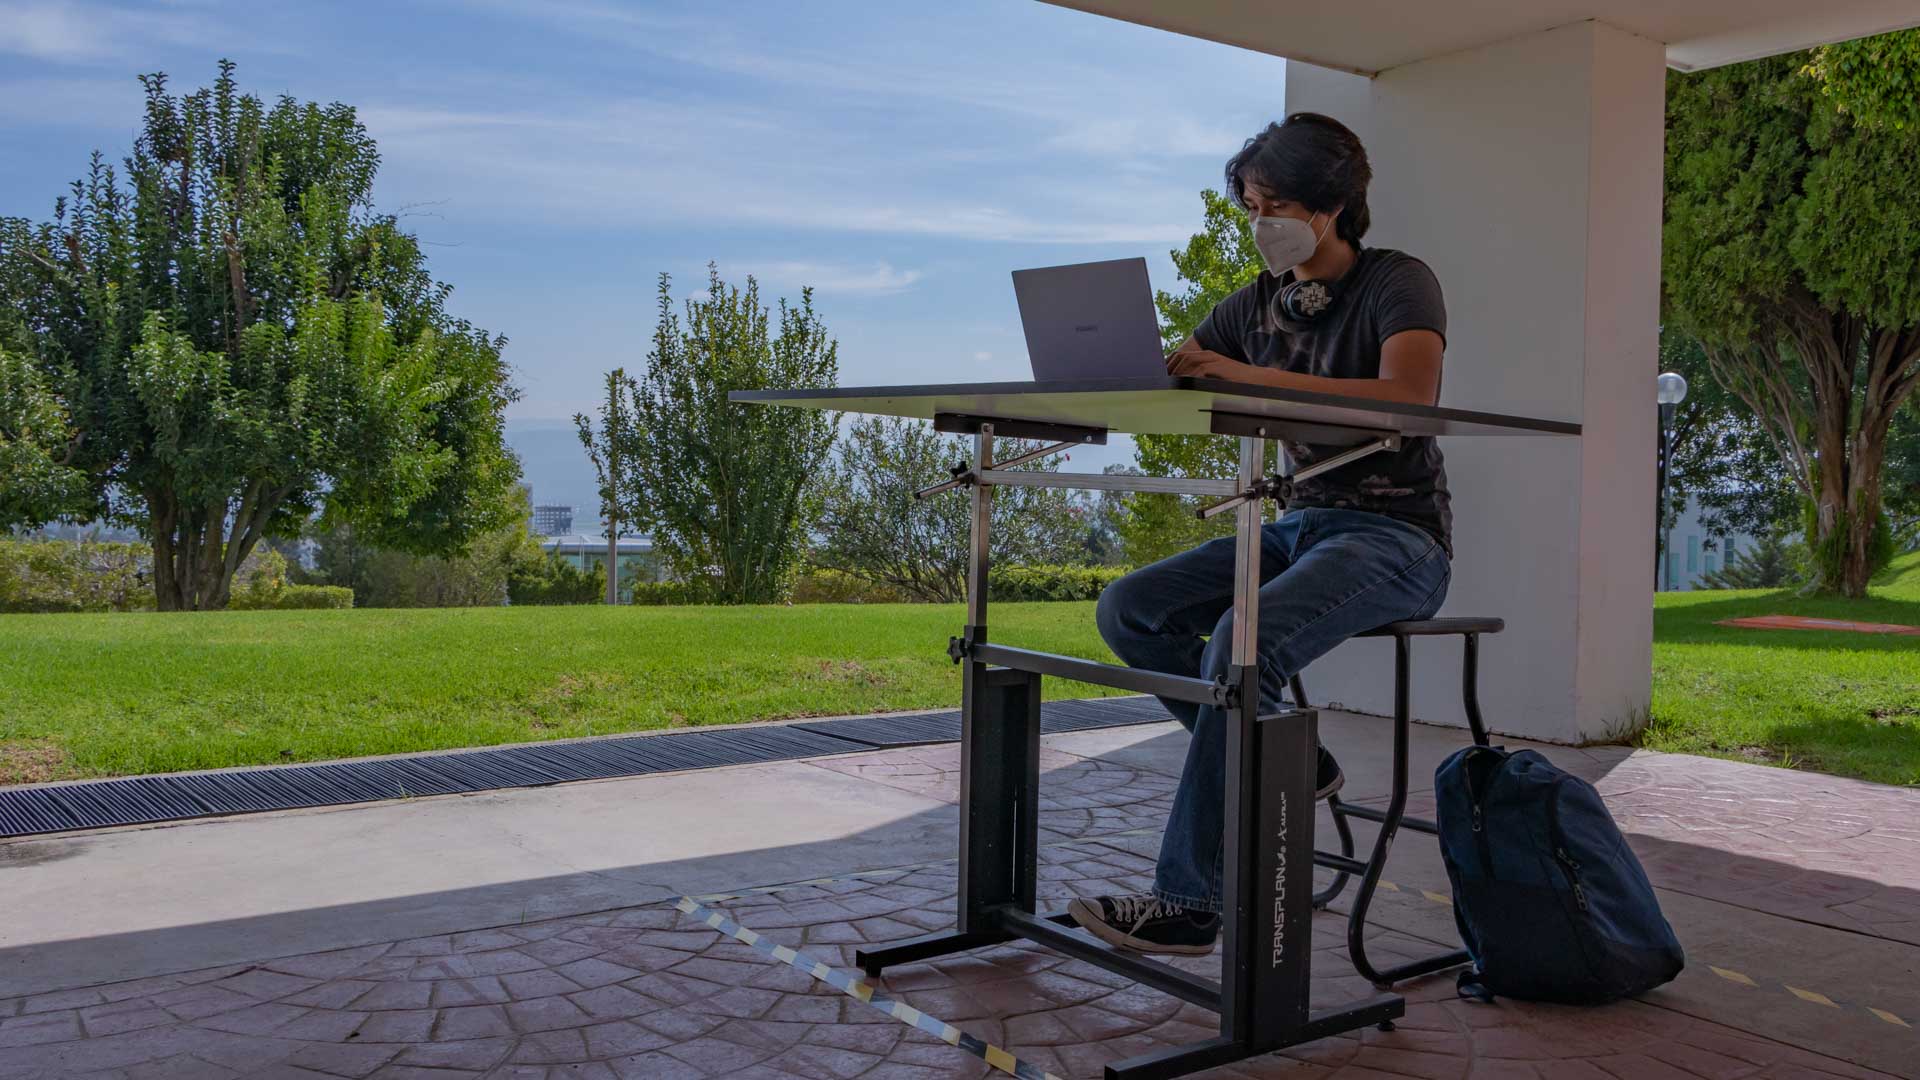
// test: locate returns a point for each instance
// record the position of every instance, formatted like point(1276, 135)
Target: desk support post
point(999, 794)
point(1263, 993)
point(1269, 818)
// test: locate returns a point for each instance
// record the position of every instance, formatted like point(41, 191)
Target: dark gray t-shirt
point(1384, 293)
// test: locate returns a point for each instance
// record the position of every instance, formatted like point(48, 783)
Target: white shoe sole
point(1088, 916)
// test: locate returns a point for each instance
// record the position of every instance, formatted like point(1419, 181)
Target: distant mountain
point(554, 465)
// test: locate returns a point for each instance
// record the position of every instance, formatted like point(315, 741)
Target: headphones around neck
point(1303, 301)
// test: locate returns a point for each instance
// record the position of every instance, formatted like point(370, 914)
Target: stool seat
point(1429, 627)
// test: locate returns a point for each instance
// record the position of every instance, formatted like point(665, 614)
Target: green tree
point(1216, 262)
point(1721, 454)
point(1876, 79)
point(1105, 511)
point(1774, 563)
point(1791, 251)
point(37, 448)
point(722, 487)
point(240, 340)
point(1903, 475)
point(612, 449)
point(478, 576)
point(872, 527)
point(556, 580)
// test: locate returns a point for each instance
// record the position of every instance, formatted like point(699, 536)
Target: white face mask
point(1286, 242)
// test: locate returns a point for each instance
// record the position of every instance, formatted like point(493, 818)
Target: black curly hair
point(1313, 160)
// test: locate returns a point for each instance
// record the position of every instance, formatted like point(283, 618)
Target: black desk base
point(1263, 995)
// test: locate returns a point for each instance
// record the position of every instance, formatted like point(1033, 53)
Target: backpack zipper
point(1479, 830)
point(1567, 862)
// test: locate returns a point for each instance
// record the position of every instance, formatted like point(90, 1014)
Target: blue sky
point(901, 158)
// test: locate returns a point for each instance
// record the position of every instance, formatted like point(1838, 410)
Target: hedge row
point(1015, 584)
point(292, 598)
point(1027, 583)
point(87, 575)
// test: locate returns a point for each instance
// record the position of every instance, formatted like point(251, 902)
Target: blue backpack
point(1549, 899)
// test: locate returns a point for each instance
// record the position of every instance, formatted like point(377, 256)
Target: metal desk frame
point(1264, 992)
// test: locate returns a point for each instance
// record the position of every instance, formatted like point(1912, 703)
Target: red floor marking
point(1802, 622)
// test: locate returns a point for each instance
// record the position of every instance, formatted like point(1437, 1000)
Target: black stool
point(1394, 817)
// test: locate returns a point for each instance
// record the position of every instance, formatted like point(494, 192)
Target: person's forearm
point(1374, 389)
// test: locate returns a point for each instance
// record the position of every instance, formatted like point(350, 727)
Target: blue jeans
point(1325, 576)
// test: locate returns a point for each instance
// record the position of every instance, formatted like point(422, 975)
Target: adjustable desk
point(1262, 995)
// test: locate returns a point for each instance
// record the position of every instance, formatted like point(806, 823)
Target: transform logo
point(1280, 889)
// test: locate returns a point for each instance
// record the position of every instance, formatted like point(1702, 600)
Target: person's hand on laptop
point(1203, 364)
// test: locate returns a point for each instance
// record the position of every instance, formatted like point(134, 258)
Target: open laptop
point(1090, 321)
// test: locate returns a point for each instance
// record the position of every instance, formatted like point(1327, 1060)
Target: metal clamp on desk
point(963, 474)
point(1360, 442)
point(1004, 474)
point(1272, 487)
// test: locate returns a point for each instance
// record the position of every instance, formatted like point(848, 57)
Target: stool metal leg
point(1325, 896)
point(1392, 818)
point(1470, 688)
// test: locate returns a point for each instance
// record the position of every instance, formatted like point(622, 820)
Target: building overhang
point(1371, 36)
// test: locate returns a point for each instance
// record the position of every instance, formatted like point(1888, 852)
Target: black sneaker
point(1146, 924)
point(1329, 777)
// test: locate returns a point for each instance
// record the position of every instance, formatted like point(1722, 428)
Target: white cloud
point(79, 32)
point(877, 279)
point(637, 161)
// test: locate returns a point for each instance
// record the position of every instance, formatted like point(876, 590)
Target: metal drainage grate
point(143, 800)
point(1055, 717)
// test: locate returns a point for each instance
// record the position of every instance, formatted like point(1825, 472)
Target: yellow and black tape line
point(863, 992)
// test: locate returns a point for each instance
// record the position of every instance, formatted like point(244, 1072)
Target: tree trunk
point(1860, 514)
point(194, 560)
point(613, 561)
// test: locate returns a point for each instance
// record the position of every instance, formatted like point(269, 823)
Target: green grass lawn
point(101, 695)
point(1831, 701)
point(97, 695)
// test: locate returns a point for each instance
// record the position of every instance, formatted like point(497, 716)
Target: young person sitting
point(1358, 546)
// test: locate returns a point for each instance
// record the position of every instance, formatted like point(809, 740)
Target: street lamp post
point(1670, 391)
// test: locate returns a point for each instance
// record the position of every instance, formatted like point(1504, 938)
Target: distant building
point(551, 519)
point(1696, 552)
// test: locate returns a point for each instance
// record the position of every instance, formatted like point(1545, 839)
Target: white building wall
point(1527, 174)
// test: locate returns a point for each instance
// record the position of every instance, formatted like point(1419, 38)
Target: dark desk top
point(1170, 405)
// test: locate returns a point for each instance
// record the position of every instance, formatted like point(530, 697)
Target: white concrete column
point(1528, 175)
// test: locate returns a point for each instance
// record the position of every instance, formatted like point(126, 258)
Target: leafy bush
point(554, 580)
point(481, 575)
point(824, 585)
point(1016, 584)
point(873, 527)
point(65, 575)
point(261, 584)
point(1028, 583)
point(292, 598)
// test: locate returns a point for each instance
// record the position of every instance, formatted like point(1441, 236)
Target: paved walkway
point(384, 942)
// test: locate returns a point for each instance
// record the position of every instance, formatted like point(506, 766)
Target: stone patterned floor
point(651, 992)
